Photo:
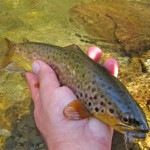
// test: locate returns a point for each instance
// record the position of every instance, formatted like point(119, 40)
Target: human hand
point(50, 100)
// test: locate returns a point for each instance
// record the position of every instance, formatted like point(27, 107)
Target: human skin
point(50, 100)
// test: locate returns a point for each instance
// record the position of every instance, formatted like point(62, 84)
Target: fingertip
point(95, 53)
point(39, 67)
point(46, 75)
point(35, 67)
point(111, 65)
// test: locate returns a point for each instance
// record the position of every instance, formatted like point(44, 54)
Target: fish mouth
point(137, 135)
point(124, 128)
point(130, 131)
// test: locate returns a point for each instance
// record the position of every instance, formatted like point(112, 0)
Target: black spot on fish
point(89, 103)
point(129, 102)
point(94, 75)
point(83, 75)
point(103, 85)
point(89, 87)
point(93, 82)
point(65, 52)
point(93, 89)
point(77, 66)
point(102, 96)
point(95, 97)
point(101, 103)
point(111, 110)
point(81, 94)
point(109, 87)
point(78, 86)
point(90, 98)
point(100, 78)
point(86, 95)
point(102, 110)
point(96, 109)
point(89, 72)
point(109, 103)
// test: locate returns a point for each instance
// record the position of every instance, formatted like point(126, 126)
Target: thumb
point(46, 76)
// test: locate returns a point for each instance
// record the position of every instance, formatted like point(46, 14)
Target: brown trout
point(99, 94)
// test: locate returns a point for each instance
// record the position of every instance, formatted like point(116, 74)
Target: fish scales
point(105, 97)
point(65, 61)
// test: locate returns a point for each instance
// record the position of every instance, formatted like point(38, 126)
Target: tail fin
point(5, 48)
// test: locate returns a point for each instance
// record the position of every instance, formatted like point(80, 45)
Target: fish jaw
point(131, 133)
point(135, 136)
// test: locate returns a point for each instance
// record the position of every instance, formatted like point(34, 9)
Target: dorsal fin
point(25, 40)
point(9, 43)
point(73, 47)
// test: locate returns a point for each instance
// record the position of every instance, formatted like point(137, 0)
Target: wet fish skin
point(104, 96)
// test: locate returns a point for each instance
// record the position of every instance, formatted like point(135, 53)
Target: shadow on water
point(25, 135)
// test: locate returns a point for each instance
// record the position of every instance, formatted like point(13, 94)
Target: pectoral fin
point(76, 111)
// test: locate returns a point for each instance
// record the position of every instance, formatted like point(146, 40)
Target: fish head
point(132, 126)
point(132, 120)
point(127, 119)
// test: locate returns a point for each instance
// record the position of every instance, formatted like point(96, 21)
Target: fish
point(99, 94)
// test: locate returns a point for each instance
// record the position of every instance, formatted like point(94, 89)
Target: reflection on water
point(66, 22)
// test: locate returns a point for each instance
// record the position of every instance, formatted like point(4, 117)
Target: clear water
point(39, 20)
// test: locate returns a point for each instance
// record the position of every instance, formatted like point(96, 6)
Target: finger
point(47, 77)
point(32, 81)
point(112, 66)
point(95, 53)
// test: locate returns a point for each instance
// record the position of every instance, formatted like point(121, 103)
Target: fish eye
point(127, 119)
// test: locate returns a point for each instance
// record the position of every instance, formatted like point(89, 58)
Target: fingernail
point(35, 67)
point(95, 53)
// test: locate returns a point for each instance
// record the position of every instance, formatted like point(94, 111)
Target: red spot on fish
point(34, 55)
point(44, 56)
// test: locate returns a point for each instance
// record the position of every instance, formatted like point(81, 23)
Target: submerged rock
point(124, 23)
